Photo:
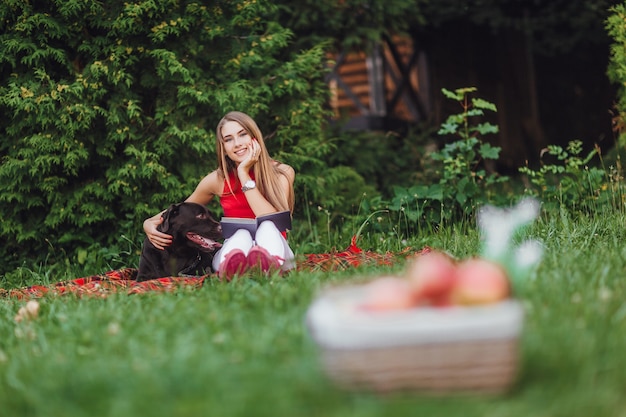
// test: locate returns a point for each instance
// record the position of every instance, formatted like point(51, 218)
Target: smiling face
point(236, 141)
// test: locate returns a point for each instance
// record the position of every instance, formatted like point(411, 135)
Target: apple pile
point(438, 280)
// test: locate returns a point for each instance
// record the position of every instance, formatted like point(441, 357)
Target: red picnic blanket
point(125, 279)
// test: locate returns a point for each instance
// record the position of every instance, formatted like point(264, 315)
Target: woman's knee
point(267, 228)
point(241, 239)
point(241, 235)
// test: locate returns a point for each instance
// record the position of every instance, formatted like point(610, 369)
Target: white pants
point(267, 236)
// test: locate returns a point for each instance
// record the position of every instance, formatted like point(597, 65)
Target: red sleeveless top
point(233, 201)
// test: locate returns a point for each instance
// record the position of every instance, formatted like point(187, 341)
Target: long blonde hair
point(266, 172)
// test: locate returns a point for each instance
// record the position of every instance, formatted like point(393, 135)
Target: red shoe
point(259, 257)
point(234, 263)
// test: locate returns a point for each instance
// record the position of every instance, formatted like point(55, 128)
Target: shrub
point(459, 180)
point(568, 180)
point(617, 64)
point(109, 110)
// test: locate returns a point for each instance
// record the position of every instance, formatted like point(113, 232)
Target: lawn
point(242, 348)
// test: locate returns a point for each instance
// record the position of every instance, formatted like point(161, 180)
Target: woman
point(249, 184)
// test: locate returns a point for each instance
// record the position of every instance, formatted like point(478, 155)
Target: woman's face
point(236, 141)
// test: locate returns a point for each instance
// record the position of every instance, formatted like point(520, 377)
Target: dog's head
point(192, 225)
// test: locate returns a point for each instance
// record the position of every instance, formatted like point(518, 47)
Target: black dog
point(195, 233)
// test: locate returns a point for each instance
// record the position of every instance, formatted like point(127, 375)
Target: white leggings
point(267, 236)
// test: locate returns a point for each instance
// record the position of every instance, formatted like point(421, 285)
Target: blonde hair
point(266, 172)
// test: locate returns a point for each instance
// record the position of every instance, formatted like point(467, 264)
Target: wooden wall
point(389, 83)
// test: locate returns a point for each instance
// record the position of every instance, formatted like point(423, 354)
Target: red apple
point(480, 281)
point(433, 276)
point(388, 293)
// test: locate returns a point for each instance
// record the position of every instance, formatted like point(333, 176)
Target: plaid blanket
point(124, 280)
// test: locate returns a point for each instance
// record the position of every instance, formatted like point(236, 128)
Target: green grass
point(242, 349)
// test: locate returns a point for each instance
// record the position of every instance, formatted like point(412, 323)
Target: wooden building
point(398, 83)
point(381, 89)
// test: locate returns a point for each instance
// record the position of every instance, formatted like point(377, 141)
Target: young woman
point(249, 184)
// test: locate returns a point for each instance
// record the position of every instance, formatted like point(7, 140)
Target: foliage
point(571, 182)
point(383, 158)
point(617, 66)
point(110, 110)
point(555, 26)
point(345, 189)
point(349, 24)
point(461, 181)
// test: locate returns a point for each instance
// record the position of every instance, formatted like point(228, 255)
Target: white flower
point(528, 254)
point(499, 225)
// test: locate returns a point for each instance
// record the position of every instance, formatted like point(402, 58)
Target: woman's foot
point(259, 257)
point(234, 263)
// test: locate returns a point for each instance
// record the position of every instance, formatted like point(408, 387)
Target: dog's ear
point(171, 212)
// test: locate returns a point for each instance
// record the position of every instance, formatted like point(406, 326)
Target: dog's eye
point(201, 216)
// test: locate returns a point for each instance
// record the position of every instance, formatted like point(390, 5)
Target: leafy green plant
point(462, 180)
point(616, 70)
point(569, 181)
point(382, 158)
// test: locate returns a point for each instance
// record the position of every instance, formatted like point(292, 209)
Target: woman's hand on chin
point(250, 159)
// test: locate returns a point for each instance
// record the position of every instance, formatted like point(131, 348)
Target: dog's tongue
point(205, 242)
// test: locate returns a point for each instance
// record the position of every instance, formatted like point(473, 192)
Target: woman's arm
point(288, 173)
point(204, 192)
point(209, 187)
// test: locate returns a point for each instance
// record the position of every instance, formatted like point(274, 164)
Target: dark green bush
point(110, 107)
point(617, 65)
point(458, 180)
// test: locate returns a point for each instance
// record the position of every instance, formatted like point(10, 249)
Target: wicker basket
point(432, 350)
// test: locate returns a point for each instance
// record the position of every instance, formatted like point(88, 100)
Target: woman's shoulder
point(213, 182)
point(214, 176)
point(207, 188)
point(285, 169)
